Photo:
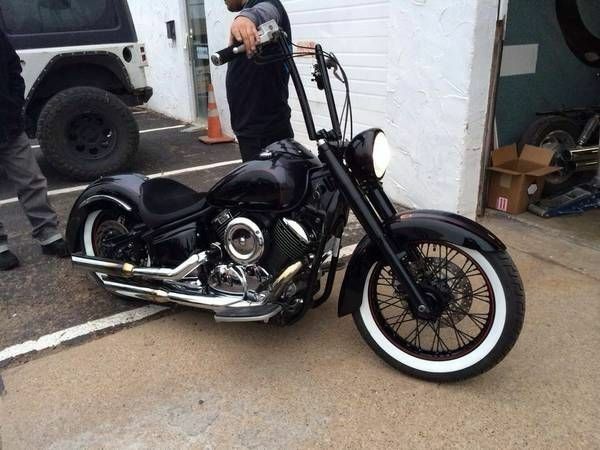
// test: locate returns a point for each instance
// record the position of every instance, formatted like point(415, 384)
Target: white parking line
point(154, 175)
point(60, 337)
point(55, 339)
point(151, 130)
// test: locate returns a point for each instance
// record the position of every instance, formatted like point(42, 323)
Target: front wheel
point(478, 308)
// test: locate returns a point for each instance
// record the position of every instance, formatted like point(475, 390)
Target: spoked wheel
point(101, 233)
point(477, 305)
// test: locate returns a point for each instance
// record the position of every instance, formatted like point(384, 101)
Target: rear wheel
point(101, 232)
point(87, 132)
point(559, 134)
point(478, 310)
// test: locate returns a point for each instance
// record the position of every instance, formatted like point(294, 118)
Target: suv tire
point(86, 132)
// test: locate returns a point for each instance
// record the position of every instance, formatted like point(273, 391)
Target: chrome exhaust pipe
point(584, 166)
point(283, 281)
point(141, 291)
point(128, 270)
point(203, 301)
point(583, 154)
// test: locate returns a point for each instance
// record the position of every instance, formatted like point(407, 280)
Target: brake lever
point(331, 64)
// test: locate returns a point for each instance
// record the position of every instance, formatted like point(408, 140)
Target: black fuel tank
point(273, 184)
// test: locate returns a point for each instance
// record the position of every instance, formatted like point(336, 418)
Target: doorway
point(199, 57)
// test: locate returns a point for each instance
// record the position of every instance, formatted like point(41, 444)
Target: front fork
point(371, 217)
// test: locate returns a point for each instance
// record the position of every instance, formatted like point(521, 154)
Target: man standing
point(258, 94)
point(19, 164)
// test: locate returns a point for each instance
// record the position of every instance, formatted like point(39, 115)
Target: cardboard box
point(516, 180)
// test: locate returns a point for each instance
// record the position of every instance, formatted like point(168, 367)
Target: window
point(57, 16)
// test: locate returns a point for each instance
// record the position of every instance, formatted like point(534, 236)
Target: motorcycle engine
point(270, 244)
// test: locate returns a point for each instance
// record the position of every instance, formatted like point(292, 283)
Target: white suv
point(82, 67)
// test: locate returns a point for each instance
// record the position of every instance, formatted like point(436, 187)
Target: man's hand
point(244, 30)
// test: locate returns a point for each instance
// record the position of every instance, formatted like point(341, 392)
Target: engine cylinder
point(244, 241)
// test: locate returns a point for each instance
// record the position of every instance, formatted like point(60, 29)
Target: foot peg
point(258, 313)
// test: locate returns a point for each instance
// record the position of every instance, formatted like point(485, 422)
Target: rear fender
point(412, 226)
point(119, 191)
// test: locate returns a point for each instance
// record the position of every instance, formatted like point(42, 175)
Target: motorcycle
point(434, 294)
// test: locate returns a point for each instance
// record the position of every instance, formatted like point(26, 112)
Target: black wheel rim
point(91, 136)
point(560, 142)
point(461, 294)
point(104, 231)
point(109, 228)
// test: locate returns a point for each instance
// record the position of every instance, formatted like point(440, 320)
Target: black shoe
point(8, 260)
point(56, 248)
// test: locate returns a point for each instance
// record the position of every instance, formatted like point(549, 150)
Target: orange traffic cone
point(215, 134)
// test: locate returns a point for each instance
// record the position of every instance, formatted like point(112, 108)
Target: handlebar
point(268, 32)
point(227, 54)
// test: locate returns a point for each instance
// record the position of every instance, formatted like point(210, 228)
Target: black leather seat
point(164, 201)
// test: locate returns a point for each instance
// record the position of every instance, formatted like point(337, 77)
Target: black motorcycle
point(434, 294)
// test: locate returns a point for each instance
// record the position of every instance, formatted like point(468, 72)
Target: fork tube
point(335, 121)
point(306, 112)
point(368, 219)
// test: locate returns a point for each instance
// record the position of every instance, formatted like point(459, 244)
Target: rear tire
point(91, 241)
point(86, 132)
point(559, 134)
point(488, 348)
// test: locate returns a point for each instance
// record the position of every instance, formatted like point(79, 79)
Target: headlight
point(382, 155)
point(368, 155)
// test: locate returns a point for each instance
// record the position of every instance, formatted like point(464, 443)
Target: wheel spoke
point(454, 281)
point(436, 334)
point(388, 305)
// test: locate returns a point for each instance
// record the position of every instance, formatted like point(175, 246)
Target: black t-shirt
point(12, 90)
point(258, 94)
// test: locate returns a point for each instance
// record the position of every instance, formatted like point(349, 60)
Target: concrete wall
point(169, 72)
point(439, 73)
point(218, 23)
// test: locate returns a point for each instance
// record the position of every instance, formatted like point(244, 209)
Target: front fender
point(121, 191)
point(409, 227)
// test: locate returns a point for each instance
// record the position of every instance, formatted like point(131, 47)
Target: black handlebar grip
point(228, 54)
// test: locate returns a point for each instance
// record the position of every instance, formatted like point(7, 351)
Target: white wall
point(169, 72)
point(439, 72)
point(218, 23)
point(357, 32)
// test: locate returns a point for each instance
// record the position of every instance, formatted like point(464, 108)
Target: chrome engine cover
point(237, 280)
point(244, 241)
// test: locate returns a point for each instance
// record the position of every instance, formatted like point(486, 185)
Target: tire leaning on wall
point(86, 132)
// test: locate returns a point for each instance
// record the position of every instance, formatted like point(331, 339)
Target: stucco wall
point(439, 72)
point(218, 23)
point(169, 72)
